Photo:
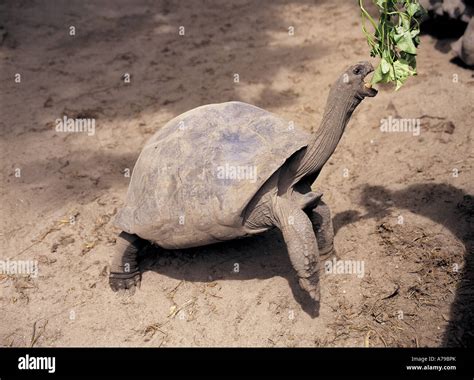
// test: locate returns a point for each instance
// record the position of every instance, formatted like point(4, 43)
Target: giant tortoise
point(231, 170)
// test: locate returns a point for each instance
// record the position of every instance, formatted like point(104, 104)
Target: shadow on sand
point(259, 257)
point(452, 209)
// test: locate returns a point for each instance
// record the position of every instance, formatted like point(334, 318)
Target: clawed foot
point(125, 283)
point(125, 274)
point(311, 288)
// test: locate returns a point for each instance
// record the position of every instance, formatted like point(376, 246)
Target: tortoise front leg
point(322, 225)
point(301, 243)
point(124, 271)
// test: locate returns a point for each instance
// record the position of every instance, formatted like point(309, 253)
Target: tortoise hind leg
point(124, 270)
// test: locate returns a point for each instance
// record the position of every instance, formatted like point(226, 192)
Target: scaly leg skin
point(323, 228)
point(301, 243)
point(124, 271)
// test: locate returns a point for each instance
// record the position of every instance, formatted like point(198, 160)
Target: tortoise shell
point(196, 175)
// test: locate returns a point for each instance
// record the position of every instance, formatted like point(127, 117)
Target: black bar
point(347, 362)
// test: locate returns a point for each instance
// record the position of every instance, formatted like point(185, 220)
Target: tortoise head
point(353, 81)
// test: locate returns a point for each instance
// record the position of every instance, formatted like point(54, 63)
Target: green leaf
point(412, 8)
point(386, 4)
point(378, 75)
point(405, 43)
point(414, 32)
point(380, 3)
point(404, 21)
point(381, 77)
point(384, 66)
point(402, 72)
point(394, 38)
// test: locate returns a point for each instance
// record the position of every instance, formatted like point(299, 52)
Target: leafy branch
point(394, 39)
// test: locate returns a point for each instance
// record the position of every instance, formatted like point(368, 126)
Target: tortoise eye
point(357, 70)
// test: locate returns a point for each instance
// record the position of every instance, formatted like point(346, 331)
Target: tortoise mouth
point(367, 89)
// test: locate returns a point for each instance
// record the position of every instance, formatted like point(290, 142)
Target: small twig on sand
point(431, 117)
point(175, 288)
point(175, 310)
point(382, 339)
point(37, 334)
point(367, 339)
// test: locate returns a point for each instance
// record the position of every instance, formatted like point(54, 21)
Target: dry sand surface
point(401, 203)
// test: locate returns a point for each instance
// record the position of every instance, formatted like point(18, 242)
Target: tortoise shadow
point(258, 257)
point(451, 208)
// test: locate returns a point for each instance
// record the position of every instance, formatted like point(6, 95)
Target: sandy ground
point(417, 289)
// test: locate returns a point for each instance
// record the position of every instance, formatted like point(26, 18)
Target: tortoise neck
point(339, 108)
